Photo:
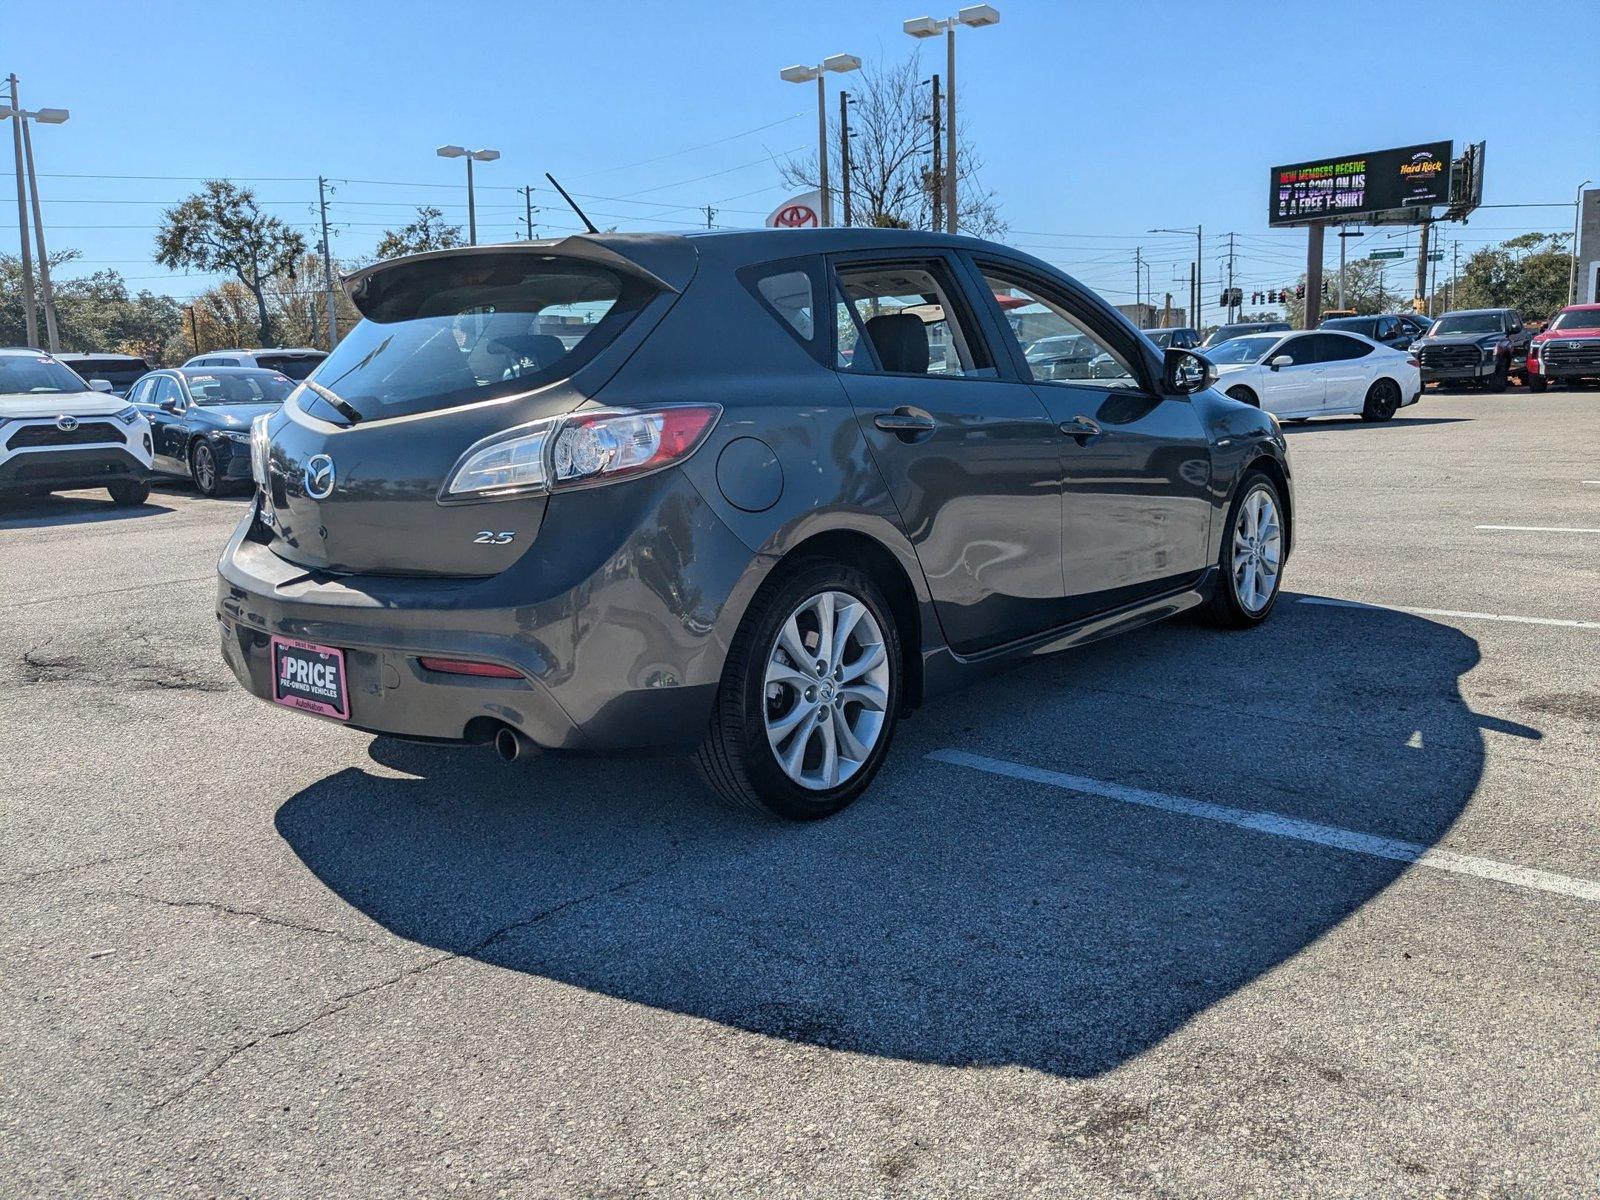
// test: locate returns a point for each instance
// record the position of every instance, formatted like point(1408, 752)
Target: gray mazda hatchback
point(751, 495)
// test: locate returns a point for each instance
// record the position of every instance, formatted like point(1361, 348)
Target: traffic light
point(1324, 289)
point(1283, 296)
point(1299, 291)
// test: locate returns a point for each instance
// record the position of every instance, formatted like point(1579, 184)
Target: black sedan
point(200, 419)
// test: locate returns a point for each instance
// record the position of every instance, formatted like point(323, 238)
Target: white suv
point(58, 432)
point(294, 361)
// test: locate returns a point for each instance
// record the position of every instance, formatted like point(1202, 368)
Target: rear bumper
point(620, 645)
point(60, 470)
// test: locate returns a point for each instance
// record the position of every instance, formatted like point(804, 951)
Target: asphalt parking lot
point(1145, 918)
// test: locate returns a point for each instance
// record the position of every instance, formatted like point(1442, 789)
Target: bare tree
point(891, 178)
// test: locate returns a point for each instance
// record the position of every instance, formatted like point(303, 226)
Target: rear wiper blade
point(347, 410)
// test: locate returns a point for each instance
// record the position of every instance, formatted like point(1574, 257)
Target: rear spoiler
point(671, 259)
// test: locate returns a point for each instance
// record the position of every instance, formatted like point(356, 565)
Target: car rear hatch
point(296, 364)
point(455, 347)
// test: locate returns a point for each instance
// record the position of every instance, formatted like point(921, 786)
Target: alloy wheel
point(826, 690)
point(205, 468)
point(1257, 551)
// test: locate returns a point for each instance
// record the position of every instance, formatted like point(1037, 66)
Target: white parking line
point(1279, 825)
point(1535, 529)
point(1448, 612)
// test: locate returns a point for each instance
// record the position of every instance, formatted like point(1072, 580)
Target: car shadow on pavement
point(1351, 423)
point(42, 512)
point(950, 917)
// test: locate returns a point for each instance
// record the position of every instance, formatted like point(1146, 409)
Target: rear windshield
point(36, 375)
point(1353, 324)
point(458, 330)
point(114, 370)
point(238, 387)
point(295, 366)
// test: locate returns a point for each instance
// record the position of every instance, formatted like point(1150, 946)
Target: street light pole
point(1195, 276)
point(471, 156)
point(1577, 215)
point(47, 294)
point(974, 16)
point(29, 309)
point(803, 74)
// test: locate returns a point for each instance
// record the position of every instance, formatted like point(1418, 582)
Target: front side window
point(167, 389)
point(1055, 345)
point(1303, 350)
point(443, 332)
point(910, 314)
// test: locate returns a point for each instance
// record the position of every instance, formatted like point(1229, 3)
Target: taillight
point(580, 450)
point(467, 666)
point(608, 446)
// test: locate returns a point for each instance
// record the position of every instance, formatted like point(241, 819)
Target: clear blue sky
point(1097, 119)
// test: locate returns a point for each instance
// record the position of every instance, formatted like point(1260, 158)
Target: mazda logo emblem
point(66, 424)
point(319, 477)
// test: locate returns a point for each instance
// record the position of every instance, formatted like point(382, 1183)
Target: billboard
point(1352, 185)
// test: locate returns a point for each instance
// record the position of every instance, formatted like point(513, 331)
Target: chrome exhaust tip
point(514, 747)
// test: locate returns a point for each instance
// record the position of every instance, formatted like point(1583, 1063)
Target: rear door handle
point(1082, 428)
point(906, 422)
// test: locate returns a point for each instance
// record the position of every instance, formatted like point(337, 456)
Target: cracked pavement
point(250, 953)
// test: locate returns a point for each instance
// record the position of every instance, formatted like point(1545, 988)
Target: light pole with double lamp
point(471, 156)
point(23, 141)
point(975, 16)
point(839, 63)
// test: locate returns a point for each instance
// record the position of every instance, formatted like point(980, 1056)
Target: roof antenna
point(571, 203)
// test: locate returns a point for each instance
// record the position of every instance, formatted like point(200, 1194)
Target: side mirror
point(1281, 361)
point(1183, 372)
point(170, 406)
point(100, 385)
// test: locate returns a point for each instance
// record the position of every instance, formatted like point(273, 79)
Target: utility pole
point(936, 185)
point(49, 297)
point(1194, 298)
point(951, 207)
point(527, 204)
point(1422, 262)
point(844, 153)
point(194, 334)
point(710, 213)
point(1138, 283)
point(1433, 279)
point(1343, 233)
point(29, 310)
point(327, 265)
point(1455, 249)
point(1230, 279)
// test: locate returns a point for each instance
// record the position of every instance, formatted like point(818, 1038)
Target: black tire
point(1225, 610)
point(1245, 396)
point(1537, 384)
point(1501, 377)
point(736, 758)
point(129, 493)
point(1383, 400)
point(203, 469)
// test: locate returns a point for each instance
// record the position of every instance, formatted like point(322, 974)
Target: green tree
point(93, 312)
point(1528, 273)
point(428, 232)
point(222, 229)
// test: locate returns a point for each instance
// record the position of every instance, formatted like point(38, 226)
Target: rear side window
point(295, 366)
point(913, 319)
point(1333, 348)
point(451, 331)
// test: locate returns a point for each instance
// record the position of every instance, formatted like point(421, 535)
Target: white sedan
point(1319, 373)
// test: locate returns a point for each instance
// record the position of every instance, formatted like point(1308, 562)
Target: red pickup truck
point(1568, 349)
